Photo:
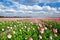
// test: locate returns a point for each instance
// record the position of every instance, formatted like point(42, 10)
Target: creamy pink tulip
point(41, 30)
point(20, 30)
point(10, 27)
point(30, 38)
point(55, 35)
point(33, 28)
point(2, 29)
point(14, 32)
point(14, 25)
point(9, 36)
point(50, 37)
point(28, 29)
point(31, 22)
point(25, 26)
point(40, 25)
point(55, 30)
point(45, 28)
point(40, 37)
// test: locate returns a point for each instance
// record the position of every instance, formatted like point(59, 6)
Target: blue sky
point(38, 8)
point(52, 4)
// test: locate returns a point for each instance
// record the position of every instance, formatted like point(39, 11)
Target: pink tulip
point(55, 30)
point(40, 25)
point(55, 35)
point(9, 36)
point(30, 38)
point(41, 30)
point(40, 37)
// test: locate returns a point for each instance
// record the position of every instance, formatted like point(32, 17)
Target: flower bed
point(25, 30)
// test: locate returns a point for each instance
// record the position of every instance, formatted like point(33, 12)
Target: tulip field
point(27, 30)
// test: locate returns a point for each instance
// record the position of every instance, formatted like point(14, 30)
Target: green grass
point(25, 30)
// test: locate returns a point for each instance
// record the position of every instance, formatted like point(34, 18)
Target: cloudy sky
point(30, 8)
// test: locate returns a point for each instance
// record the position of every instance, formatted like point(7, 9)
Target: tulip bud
point(40, 37)
point(55, 35)
point(30, 38)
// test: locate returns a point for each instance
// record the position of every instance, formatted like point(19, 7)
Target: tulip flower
point(40, 25)
point(28, 29)
point(20, 30)
point(14, 25)
point(50, 37)
point(14, 32)
point(55, 35)
point(25, 26)
point(45, 28)
point(31, 22)
point(2, 29)
point(30, 38)
point(41, 30)
point(55, 30)
point(9, 36)
point(40, 37)
point(10, 27)
point(33, 28)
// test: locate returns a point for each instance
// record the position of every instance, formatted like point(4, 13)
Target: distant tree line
point(15, 17)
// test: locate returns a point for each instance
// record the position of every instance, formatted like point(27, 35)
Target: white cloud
point(59, 8)
point(1, 6)
point(37, 8)
point(4, 9)
point(33, 11)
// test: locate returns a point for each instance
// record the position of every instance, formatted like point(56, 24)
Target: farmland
point(29, 29)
